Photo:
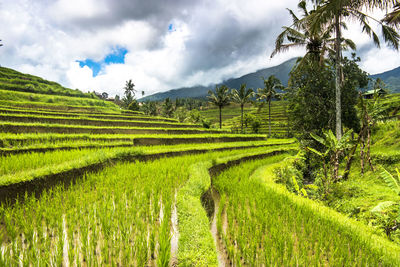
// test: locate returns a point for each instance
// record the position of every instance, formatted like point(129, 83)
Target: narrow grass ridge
point(196, 244)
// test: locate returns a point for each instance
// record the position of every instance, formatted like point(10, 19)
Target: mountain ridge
point(253, 80)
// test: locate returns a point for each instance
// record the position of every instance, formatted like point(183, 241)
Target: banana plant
point(334, 150)
point(388, 220)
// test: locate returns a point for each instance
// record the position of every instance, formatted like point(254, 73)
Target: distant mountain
point(391, 78)
point(252, 80)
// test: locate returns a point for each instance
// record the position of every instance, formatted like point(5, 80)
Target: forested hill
point(391, 78)
point(252, 80)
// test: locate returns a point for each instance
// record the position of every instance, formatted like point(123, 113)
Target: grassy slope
point(16, 81)
point(357, 196)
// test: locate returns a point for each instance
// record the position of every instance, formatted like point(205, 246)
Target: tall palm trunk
point(241, 119)
point(362, 157)
point(369, 149)
point(220, 117)
point(338, 80)
point(269, 115)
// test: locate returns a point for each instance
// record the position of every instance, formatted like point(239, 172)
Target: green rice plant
point(106, 218)
point(29, 118)
point(291, 230)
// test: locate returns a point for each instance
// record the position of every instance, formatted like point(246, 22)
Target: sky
point(97, 45)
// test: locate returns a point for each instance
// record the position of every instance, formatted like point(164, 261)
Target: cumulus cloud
point(211, 40)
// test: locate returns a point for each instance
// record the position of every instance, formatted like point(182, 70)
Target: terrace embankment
point(9, 193)
point(211, 198)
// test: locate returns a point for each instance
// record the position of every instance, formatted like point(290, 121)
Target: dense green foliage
point(263, 224)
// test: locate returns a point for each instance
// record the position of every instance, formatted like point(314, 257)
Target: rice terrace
point(201, 133)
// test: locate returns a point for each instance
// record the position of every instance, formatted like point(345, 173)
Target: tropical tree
point(336, 12)
point(392, 18)
point(129, 94)
point(335, 149)
point(130, 88)
point(370, 113)
point(168, 108)
point(268, 93)
point(300, 34)
point(220, 98)
point(242, 97)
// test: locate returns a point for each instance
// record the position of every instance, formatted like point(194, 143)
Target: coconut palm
point(335, 12)
point(242, 97)
point(220, 98)
point(393, 18)
point(300, 34)
point(268, 93)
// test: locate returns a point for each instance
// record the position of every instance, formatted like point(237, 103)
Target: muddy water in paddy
point(210, 201)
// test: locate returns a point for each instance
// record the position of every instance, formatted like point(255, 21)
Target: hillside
point(16, 81)
point(391, 78)
point(252, 80)
point(27, 91)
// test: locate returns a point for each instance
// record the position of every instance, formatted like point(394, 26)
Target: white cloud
point(214, 40)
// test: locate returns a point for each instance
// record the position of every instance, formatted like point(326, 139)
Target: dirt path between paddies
point(174, 235)
point(222, 255)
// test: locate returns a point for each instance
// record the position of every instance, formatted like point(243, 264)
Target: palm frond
point(391, 181)
point(390, 36)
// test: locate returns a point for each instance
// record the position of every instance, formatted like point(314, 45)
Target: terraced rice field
point(85, 188)
point(231, 118)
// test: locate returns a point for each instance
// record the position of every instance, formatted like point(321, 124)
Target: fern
point(391, 181)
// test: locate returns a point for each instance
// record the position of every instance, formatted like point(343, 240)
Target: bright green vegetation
point(123, 216)
point(261, 223)
point(23, 167)
point(9, 140)
point(197, 247)
point(111, 116)
point(228, 112)
point(358, 196)
point(391, 104)
point(91, 121)
point(231, 118)
point(16, 127)
point(133, 188)
point(16, 81)
point(20, 97)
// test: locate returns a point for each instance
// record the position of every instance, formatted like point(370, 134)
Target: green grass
point(267, 225)
point(117, 216)
point(16, 127)
point(17, 81)
point(43, 140)
point(196, 245)
point(25, 167)
point(60, 100)
point(29, 118)
point(114, 116)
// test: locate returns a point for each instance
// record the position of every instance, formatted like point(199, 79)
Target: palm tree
point(268, 93)
point(130, 88)
point(392, 18)
point(335, 12)
point(300, 34)
point(221, 98)
point(242, 97)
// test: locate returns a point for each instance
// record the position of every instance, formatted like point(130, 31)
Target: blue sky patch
point(117, 56)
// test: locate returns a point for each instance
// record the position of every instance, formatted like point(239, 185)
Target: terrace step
point(92, 122)
point(111, 116)
point(65, 129)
